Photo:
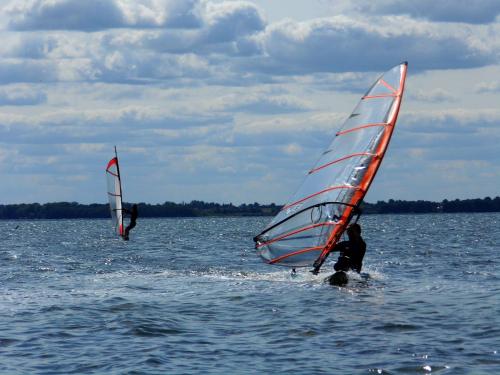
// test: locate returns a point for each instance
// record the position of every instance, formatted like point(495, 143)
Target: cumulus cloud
point(477, 12)
point(221, 21)
point(94, 15)
point(89, 15)
point(341, 44)
point(231, 44)
point(228, 21)
point(227, 28)
point(136, 53)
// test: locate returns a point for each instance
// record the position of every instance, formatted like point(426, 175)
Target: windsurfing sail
point(307, 228)
point(115, 194)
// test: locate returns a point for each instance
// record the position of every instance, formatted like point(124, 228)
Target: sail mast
point(121, 192)
point(118, 168)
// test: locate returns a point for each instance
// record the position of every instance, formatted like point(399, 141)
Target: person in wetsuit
point(133, 217)
point(352, 251)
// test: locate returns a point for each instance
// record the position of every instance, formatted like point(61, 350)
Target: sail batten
point(361, 127)
point(378, 96)
point(316, 194)
point(318, 213)
point(388, 86)
point(284, 236)
point(339, 160)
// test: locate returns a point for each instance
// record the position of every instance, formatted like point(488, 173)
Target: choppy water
point(190, 296)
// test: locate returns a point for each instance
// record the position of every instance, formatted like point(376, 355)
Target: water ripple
point(191, 296)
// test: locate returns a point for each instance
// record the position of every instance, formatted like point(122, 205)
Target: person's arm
point(341, 246)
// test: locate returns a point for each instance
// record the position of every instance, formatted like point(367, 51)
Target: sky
point(234, 101)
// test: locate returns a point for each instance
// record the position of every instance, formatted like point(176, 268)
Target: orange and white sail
point(115, 194)
point(312, 222)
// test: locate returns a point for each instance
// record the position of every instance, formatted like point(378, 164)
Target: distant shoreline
point(74, 210)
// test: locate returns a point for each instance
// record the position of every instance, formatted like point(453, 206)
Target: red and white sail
point(115, 194)
point(311, 223)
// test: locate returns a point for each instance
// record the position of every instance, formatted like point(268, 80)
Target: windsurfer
point(352, 251)
point(133, 217)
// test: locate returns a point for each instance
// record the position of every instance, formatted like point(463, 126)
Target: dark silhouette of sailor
point(133, 217)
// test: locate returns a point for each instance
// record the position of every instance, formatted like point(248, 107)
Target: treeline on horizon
point(74, 210)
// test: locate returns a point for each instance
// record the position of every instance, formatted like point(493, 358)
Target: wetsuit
point(351, 255)
point(133, 217)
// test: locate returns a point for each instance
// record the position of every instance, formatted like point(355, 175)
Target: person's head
point(354, 230)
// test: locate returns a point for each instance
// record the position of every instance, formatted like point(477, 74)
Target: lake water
point(190, 296)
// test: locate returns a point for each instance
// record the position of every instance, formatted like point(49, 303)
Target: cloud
point(226, 29)
point(132, 67)
point(19, 70)
point(138, 53)
point(316, 122)
point(202, 157)
point(351, 82)
point(424, 139)
point(487, 87)
point(144, 125)
point(88, 15)
point(21, 95)
point(229, 21)
point(450, 120)
point(221, 22)
point(341, 44)
point(232, 45)
point(292, 149)
point(262, 103)
point(436, 95)
point(27, 46)
point(95, 15)
point(477, 12)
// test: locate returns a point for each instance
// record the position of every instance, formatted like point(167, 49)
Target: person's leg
point(127, 230)
point(342, 264)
